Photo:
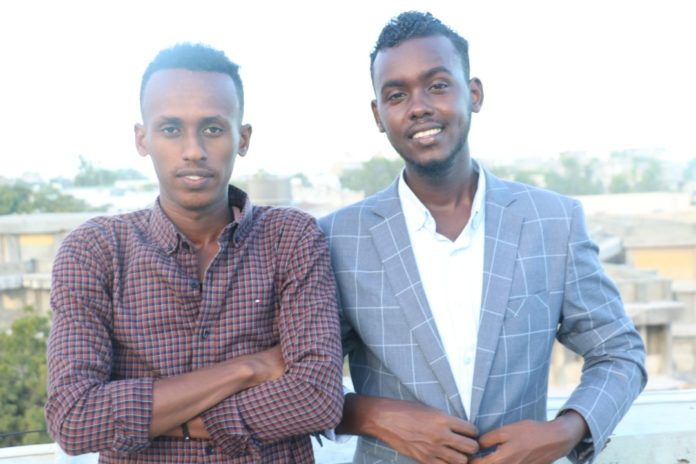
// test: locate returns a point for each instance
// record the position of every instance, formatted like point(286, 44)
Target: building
point(28, 244)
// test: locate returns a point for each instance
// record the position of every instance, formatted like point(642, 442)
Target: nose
point(194, 148)
point(421, 105)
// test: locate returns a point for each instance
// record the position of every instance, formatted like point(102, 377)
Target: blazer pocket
point(519, 306)
point(530, 314)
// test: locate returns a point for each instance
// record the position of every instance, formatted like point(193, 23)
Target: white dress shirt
point(452, 276)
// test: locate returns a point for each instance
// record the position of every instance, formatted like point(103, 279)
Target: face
point(192, 131)
point(424, 102)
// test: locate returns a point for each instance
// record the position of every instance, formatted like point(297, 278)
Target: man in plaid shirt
point(204, 329)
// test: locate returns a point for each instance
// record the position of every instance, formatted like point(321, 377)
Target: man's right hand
point(412, 429)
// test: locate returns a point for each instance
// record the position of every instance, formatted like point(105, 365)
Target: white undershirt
point(452, 276)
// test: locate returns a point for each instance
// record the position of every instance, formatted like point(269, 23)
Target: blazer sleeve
point(595, 325)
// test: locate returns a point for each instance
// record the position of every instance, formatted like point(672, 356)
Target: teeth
point(427, 133)
point(194, 177)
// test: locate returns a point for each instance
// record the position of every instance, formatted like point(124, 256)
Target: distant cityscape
point(640, 211)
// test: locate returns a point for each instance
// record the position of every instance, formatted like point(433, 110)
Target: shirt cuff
point(227, 428)
point(331, 434)
point(131, 404)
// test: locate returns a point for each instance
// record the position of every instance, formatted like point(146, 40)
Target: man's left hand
point(533, 442)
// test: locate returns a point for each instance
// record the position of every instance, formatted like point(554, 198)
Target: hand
point(425, 434)
point(533, 442)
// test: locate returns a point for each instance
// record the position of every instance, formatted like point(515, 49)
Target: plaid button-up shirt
point(128, 309)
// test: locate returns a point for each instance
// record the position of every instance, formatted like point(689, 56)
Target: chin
point(435, 167)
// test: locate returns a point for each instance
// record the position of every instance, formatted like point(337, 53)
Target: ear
point(476, 91)
point(140, 145)
point(244, 139)
point(375, 113)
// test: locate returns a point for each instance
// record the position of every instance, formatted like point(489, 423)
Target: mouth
point(422, 134)
point(194, 176)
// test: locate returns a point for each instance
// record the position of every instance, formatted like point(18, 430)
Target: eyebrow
point(426, 75)
point(168, 120)
point(176, 120)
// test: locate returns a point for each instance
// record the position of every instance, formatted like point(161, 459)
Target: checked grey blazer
point(542, 280)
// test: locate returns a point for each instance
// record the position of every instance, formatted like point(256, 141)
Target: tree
point(574, 177)
point(20, 197)
point(23, 381)
point(88, 175)
point(642, 172)
point(373, 175)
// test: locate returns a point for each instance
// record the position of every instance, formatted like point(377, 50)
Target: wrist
point(185, 431)
point(572, 426)
point(364, 415)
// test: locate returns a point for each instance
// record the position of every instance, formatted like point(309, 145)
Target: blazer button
point(205, 332)
point(209, 450)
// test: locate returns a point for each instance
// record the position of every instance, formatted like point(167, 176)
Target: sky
point(594, 76)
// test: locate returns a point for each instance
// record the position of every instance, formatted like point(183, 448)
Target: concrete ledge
point(659, 428)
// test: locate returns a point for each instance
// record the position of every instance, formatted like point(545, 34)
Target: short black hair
point(414, 24)
point(194, 57)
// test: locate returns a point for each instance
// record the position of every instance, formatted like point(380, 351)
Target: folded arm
point(87, 410)
point(308, 397)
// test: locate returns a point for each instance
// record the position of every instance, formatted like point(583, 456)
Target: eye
point(439, 86)
point(170, 131)
point(395, 96)
point(213, 130)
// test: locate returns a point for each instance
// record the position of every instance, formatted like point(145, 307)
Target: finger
point(452, 456)
point(463, 444)
point(463, 427)
point(492, 438)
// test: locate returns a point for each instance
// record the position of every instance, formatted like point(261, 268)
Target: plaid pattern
point(542, 280)
point(128, 308)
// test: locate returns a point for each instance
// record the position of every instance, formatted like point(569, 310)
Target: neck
point(452, 187)
point(202, 228)
point(449, 197)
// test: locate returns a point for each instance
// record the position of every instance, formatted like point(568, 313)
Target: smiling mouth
point(426, 133)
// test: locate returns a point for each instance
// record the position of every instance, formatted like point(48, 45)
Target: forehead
point(181, 92)
point(414, 57)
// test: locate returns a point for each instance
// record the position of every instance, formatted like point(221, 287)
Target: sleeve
point(85, 411)
point(595, 326)
point(308, 397)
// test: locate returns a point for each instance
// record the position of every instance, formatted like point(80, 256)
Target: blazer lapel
point(503, 228)
point(393, 245)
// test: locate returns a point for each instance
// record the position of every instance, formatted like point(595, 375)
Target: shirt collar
point(418, 217)
point(169, 238)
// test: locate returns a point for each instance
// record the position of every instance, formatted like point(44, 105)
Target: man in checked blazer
point(454, 284)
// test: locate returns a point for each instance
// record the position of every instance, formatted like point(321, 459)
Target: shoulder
point(528, 200)
point(283, 220)
point(358, 215)
point(104, 232)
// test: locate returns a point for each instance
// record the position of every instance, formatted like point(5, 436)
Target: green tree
point(21, 197)
point(89, 175)
point(642, 172)
point(23, 377)
point(372, 176)
point(573, 177)
point(15, 198)
point(620, 184)
point(648, 175)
